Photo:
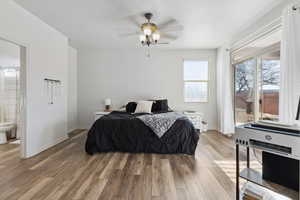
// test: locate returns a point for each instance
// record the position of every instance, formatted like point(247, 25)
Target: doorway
point(12, 97)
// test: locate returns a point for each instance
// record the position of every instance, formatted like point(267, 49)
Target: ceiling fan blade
point(169, 36)
point(173, 28)
point(167, 23)
point(129, 34)
point(133, 19)
point(163, 43)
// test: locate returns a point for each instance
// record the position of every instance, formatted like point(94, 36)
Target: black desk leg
point(248, 158)
point(237, 172)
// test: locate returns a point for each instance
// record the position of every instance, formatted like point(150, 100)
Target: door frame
point(24, 63)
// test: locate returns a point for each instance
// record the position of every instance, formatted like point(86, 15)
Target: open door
point(13, 62)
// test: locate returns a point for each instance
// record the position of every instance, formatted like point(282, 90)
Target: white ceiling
point(96, 23)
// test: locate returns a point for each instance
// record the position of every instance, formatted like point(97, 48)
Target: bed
point(126, 132)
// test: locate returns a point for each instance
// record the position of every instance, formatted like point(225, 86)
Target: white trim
point(24, 50)
point(257, 53)
point(24, 57)
point(263, 32)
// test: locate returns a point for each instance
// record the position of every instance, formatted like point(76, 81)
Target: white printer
point(274, 138)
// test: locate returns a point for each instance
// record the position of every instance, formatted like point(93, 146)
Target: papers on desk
point(252, 191)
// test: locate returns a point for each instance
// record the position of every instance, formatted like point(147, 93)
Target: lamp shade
point(156, 36)
point(147, 30)
point(107, 102)
point(142, 38)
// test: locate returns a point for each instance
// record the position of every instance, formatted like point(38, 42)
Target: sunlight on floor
point(16, 142)
point(228, 166)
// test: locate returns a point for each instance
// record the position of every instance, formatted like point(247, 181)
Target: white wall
point(72, 90)
point(47, 51)
point(129, 75)
point(9, 54)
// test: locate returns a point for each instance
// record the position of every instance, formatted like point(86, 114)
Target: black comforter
point(120, 131)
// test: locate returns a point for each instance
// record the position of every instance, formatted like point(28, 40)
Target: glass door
point(257, 77)
point(245, 92)
point(257, 88)
point(269, 86)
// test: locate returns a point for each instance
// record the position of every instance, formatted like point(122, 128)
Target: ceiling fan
point(150, 33)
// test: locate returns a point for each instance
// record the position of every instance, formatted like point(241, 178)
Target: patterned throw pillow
point(143, 107)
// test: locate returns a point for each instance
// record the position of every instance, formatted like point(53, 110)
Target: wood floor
point(67, 172)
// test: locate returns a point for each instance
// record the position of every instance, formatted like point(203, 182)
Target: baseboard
point(71, 130)
point(75, 132)
point(210, 131)
point(47, 146)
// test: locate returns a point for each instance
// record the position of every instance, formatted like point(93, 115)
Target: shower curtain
point(290, 65)
point(10, 96)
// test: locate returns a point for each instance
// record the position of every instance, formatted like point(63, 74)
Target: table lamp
point(107, 103)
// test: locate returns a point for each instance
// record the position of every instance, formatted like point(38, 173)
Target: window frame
point(258, 57)
point(207, 59)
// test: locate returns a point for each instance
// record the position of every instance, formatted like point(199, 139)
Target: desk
point(244, 138)
point(254, 176)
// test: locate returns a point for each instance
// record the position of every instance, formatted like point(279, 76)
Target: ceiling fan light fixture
point(147, 30)
point(156, 36)
point(149, 33)
point(142, 38)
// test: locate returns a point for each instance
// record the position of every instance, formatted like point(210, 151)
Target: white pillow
point(143, 107)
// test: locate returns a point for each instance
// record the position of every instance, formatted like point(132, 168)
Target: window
point(269, 86)
point(257, 87)
point(195, 81)
point(245, 87)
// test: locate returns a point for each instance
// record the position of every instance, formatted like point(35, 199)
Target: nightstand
point(196, 119)
point(97, 115)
